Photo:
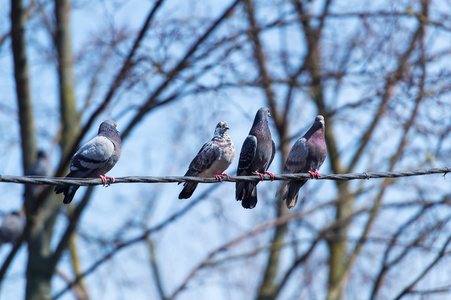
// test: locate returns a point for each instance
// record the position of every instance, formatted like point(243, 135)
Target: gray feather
point(307, 154)
point(212, 159)
point(247, 154)
point(256, 156)
point(95, 158)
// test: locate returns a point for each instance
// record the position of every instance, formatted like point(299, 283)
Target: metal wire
point(164, 179)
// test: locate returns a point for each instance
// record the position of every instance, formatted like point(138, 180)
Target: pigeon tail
point(250, 201)
point(188, 190)
point(280, 188)
point(292, 193)
point(241, 190)
point(61, 189)
point(68, 191)
point(70, 194)
point(247, 193)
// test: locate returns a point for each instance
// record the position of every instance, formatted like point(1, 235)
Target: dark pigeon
point(11, 228)
point(212, 160)
point(40, 168)
point(94, 159)
point(306, 155)
point(256, 156)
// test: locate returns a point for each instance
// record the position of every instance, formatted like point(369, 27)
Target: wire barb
point(167, 179)
point(444, 174)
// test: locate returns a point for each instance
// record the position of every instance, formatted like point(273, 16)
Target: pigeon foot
point(262, 176)
point(104, 180)
point(271, 175)
point(220, 176)
point(315, 174)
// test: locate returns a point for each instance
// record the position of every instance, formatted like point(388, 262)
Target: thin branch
point(155, 269)
point(140, 238)
point(127, 65)
point(390, 83)
point(442, 254)
point(182, 64)
point(74, 219)
point(279, 221)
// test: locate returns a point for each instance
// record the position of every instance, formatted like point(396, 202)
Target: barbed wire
point(39, 180)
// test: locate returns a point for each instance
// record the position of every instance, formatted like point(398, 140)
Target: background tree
point(167, 72)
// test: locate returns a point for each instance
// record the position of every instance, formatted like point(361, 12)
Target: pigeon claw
point(226, 175)
point(104, 180)
point(315, 174)
point(262, 176)
point(220, 176)
point(271, 175)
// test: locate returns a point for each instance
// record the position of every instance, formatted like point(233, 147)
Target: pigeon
point(94, 159)
point(306, 155)
point(212, 160)
point(40, 168)
point(11, 228)
point(256, 156)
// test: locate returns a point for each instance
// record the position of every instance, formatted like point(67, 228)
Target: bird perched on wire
point(11, 228)
point(212, 160)
point(306, 155)
point(41, 167)
point(256, 156)
point(94, 159)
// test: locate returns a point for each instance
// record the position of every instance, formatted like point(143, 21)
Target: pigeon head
point(221, 128)
point(320, 122)
point(108, 126)
point(262, 116)
point(317, 128)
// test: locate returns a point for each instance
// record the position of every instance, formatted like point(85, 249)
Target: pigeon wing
point(273, 152)
point(296, 160)
point(247, 154)
point(204, 159)
point(297, 157)
point(91, 156)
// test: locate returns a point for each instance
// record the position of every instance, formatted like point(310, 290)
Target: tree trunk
point(22, 83)
point(268, 285)
point(70, 118)
point(41, 261)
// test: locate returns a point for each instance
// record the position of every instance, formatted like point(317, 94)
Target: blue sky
point(167, 139)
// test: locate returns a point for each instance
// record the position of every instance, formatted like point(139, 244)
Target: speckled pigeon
point(256, 156)
point(306, 155)
point(212, 160)
point(11, 228)
point(40, 168)
point(94, 159)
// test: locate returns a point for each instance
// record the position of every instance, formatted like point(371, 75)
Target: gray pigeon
point(94, 159)
point(212, 160)
point(306, 155)
point(256, 156)
point(40, 168)
point(11, 228)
